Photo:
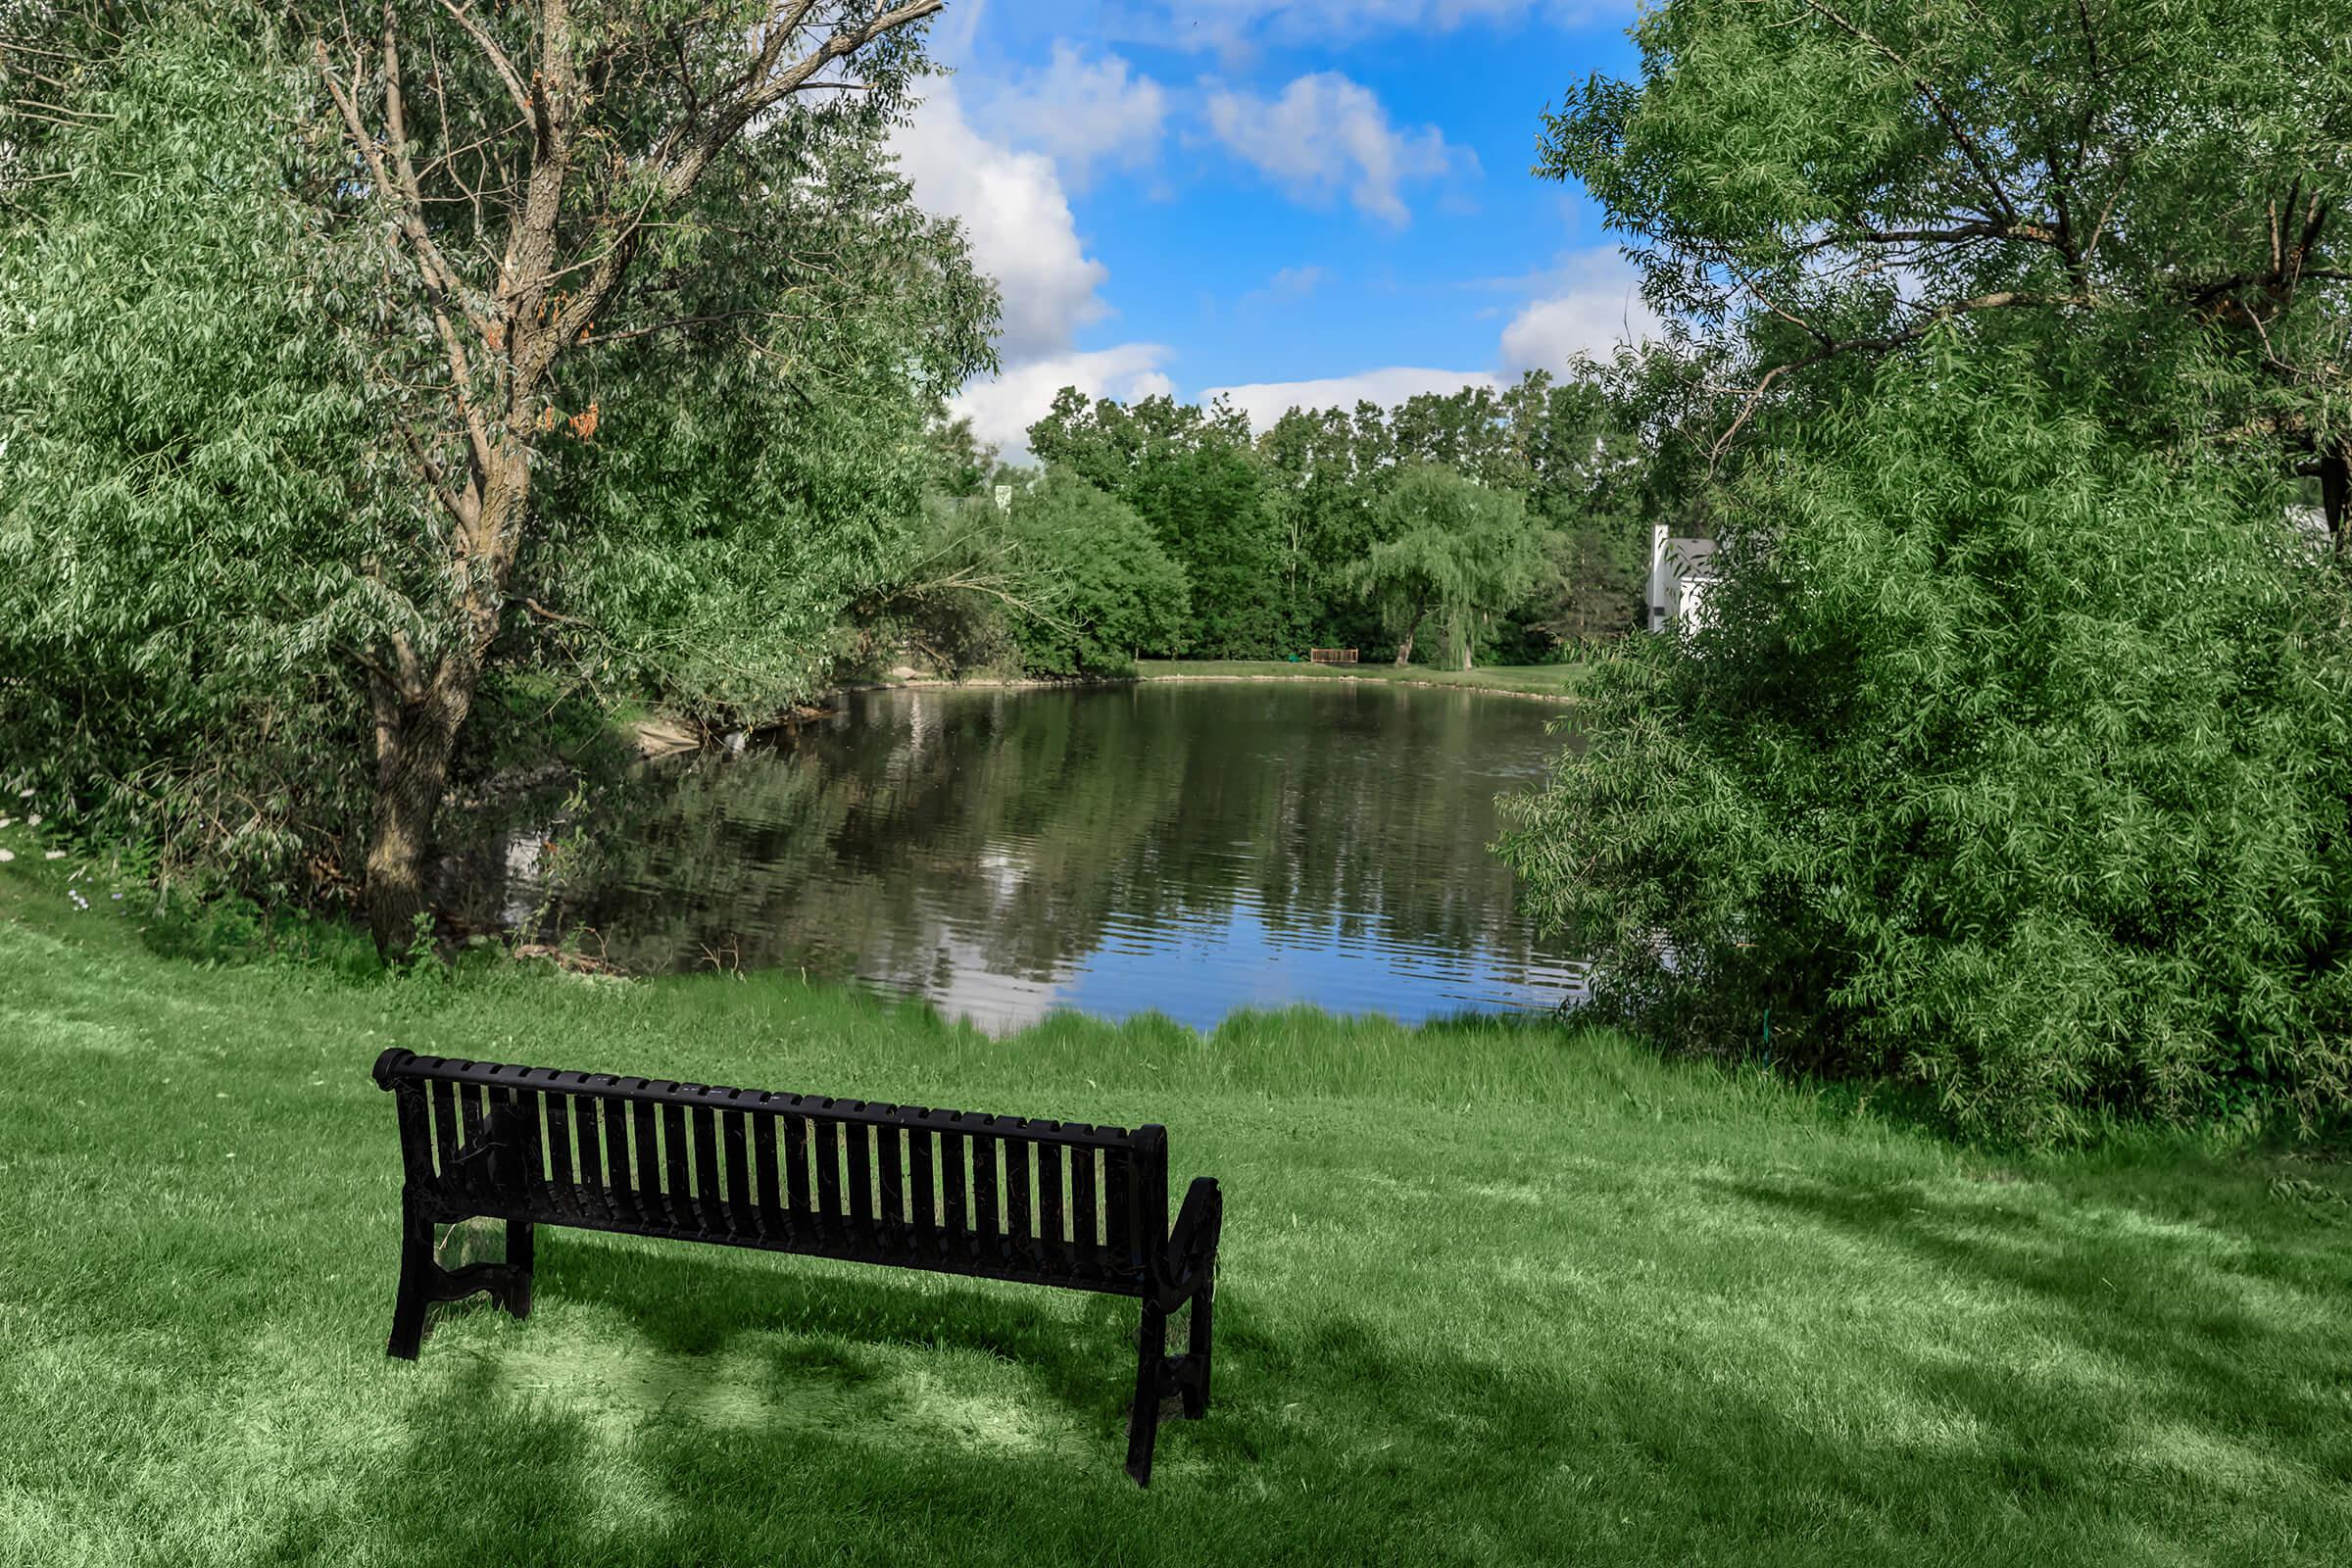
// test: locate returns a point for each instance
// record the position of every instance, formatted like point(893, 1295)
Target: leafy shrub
point(2015, 762)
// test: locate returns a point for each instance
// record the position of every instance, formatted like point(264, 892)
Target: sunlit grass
point(1492, 1293)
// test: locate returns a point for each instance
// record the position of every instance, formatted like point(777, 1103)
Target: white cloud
point(1265, 402)
point(1593, 304)
point(1016, 213)
point(1287, 285)
point(1294, 282)
point(1003, 410)
point(1017, 216)
point(1082, 112)
point(1326, 133)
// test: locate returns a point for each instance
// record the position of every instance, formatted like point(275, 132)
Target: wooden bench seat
point(1042, 1202)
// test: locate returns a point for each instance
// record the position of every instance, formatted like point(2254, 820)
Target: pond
point(1187, 847)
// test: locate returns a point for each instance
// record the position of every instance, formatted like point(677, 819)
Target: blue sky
point(1291, 202)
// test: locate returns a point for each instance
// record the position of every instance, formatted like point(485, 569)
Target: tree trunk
point(415, 740)
point(421, 711)
point(1405, 651)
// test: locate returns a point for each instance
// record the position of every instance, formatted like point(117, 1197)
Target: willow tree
point(1451, 551)
point(536, 168)
point(353, 356)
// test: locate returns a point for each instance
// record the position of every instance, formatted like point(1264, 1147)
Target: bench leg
point(521, 1234)
point(1195, 1354)
point(416, 1283)
point(1143, 1423)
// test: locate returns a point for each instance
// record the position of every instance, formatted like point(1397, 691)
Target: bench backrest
point(1007, 1198)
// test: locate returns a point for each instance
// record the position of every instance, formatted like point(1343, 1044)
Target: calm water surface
point(1191, 849)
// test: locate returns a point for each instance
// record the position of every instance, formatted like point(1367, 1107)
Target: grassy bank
point(1531, 680)
point(1492, 1293)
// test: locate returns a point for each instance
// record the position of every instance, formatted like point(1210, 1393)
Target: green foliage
point(1116, 592)
point(213, 538)
point(739, 491)
point(1806, 185)
point(191, 488)
point(2015, 762)
point(1453, 552)
point(951, 605)
point(1194, 477)
point(1273, 533)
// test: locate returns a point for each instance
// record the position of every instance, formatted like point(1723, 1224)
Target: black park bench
point(1045, 1203)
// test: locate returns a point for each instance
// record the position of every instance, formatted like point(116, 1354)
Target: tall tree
point(1453, 551)
point(2013, 762)
point(1833, 178)
point(1192, 473)
point(1114, 592)
point(1319, 506)
point(605, 328)
point(549, 178)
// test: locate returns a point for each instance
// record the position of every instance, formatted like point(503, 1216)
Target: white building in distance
point(1681, 573)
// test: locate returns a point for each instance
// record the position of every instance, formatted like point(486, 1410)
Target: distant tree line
point(1458, 528)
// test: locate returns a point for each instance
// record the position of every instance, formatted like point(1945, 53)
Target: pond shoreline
point(660, 736)
point(1259, 671)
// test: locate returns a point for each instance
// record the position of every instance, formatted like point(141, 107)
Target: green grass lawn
point(1540, 681)
point(1491, 1294)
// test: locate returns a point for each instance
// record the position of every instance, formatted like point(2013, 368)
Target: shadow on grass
point(2164, 1321)
point(798, 1413)
point(679, 1406)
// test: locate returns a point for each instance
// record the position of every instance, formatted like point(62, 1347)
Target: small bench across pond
point(1042, 1202)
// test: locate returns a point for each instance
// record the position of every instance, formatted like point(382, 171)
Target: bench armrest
point(1192, 1256)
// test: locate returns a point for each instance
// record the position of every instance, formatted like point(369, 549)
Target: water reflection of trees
point(1026, 827)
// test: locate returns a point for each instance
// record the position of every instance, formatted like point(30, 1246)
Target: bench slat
point(988, 1237)
point(890, 1187)
point(677, 1185)
point(924, 1192)
point(1086, 1214)
point(764, 1161)
point(796, 1171)
point(1020, 1245)
point(531, 1170)
point(710, 1199)
point(645, 1138)
point(954, 1177)
point(826, 1152)
point(589, 1135)
point(858, 1138)
point(1119, 1176)
point(445, 1131)
point(470, 1112)
point(734, 1143)
point(1055, 1245)
point(563, 1185)
point(618, 1176)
